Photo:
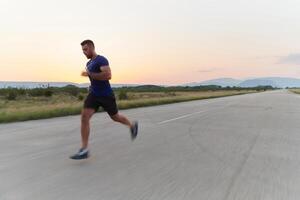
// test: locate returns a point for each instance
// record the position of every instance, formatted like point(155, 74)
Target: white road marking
point(180, 117)
point(187, 115)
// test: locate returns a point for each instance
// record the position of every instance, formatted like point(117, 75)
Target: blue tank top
point(98, 87)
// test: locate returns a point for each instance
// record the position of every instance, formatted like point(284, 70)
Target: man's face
point(88, 50)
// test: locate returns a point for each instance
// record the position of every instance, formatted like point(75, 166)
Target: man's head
point(88, 48)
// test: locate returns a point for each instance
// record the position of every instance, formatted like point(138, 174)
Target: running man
point(100, 94)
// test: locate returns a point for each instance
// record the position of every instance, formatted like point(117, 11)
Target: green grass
point(61, 105)
point(38, 114)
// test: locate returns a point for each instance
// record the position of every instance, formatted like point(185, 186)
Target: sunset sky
point(150, 42)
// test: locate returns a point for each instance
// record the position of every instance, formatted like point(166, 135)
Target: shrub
point(71, 89)
point(80, 97)
point(11, 95)
point(48, 93)
point(36, 92)
point(123, 95)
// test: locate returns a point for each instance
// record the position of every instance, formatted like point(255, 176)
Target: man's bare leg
point(83, 152)
point(122, 119)
point(86, 115)
point(133, 126)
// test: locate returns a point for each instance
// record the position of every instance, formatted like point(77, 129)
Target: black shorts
point(108, 103)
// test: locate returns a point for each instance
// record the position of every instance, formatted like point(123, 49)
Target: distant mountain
point(280, 82)
point(123, 85)
point(25, 84)
point(257, 82)
point(224, 82)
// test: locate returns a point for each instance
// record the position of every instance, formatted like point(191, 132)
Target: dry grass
point(28, 108)
point(296, 90)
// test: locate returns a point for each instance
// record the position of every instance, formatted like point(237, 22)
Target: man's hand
point(84, 73)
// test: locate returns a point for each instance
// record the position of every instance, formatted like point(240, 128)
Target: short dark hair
point(88, 42)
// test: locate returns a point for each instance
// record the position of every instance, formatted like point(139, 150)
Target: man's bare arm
point(105, 74)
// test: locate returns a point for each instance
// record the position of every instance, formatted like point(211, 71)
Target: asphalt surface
point(244, 147)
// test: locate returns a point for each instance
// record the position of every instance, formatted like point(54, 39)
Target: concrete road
point(243, 147)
